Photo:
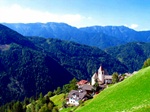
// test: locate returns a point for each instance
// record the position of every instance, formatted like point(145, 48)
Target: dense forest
point(40, 102)
point(132, 54)
point(25, 71)
point(80, 60)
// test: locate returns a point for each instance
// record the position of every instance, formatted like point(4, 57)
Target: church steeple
point(100, 68)
point(101, 74)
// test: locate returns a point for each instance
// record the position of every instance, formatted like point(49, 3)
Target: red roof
point(82, 82)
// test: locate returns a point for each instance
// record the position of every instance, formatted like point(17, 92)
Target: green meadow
point(130, 95)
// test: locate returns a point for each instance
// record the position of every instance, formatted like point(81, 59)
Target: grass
point(141, 108)
point(73, 108)
point(130, 95)
point(58, 100)
point(69, 109)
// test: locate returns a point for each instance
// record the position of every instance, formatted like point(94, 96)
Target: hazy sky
point(79, 13)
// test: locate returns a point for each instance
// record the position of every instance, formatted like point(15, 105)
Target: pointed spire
point(100, 68)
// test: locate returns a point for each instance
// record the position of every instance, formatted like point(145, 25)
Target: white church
point(101, 76)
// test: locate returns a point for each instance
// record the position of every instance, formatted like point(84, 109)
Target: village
point(86, 90)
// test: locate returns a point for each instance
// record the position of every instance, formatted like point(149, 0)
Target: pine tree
point(146, 63)
point(18, 107)
point(73, 84)
point(50, 93)
point(65, 88)
point(115, 78)
point(58, 91)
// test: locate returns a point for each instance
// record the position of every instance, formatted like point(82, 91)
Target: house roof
point(87, 87)
point(82, 94)
point(108, 77)
point(82, 82)
point(79, 95)
point(73, 92)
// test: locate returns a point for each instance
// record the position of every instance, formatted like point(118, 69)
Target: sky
point(134, 14)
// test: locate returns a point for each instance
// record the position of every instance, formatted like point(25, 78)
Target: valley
point(35, 63)
point(74, 56)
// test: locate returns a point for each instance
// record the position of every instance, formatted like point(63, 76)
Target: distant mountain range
point(98, 36)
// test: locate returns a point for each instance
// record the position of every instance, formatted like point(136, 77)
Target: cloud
point(134, 26)
point(17, 14)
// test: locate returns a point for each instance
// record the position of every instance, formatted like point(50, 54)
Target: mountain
point(132, 54)
point(120, 32)
point(130, 95)
point(49, 30)
point(80, 60)
point(24, 70)
point(8, 36)
point(98, 36)
point(30, 65)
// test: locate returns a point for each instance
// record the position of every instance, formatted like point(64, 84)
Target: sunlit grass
point(58, 100)
point(124, 96)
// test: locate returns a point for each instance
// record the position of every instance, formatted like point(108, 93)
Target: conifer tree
point(73, 84)
point(146, 63)
point(115, 78)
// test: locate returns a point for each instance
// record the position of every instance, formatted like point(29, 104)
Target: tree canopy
point(146, 63)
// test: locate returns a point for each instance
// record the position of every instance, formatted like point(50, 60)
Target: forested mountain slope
point(24, 70)
point(80, 60)
point(132, 55)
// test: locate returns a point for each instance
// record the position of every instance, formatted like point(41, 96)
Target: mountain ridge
point(86, 35)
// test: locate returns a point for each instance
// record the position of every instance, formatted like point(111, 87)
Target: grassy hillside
point(58, 100)
point(130, 95)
